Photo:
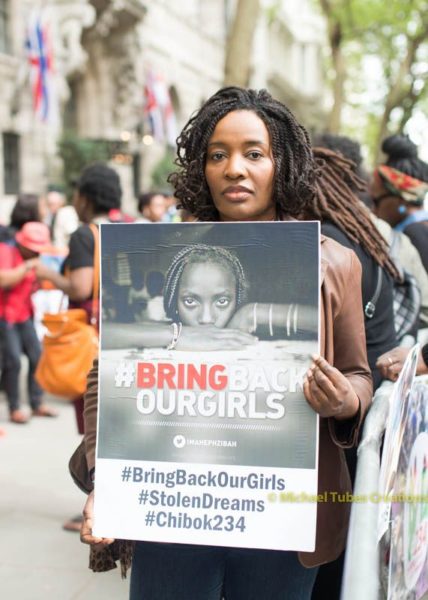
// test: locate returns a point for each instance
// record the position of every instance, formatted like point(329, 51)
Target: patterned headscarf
point(399, 184)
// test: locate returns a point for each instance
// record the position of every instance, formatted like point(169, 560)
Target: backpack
point(406, 296)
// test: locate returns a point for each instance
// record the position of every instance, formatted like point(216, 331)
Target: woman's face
point(240, 168)
point(206, 295)
point(386, 205)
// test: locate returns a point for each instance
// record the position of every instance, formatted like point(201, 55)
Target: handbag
point(70, 344)
point(78, 467)
point(406, 296)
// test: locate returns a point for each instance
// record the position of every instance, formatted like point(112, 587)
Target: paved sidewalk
point(38, 560)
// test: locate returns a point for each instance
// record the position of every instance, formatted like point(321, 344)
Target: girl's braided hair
point(305, 186)
point(200, 253)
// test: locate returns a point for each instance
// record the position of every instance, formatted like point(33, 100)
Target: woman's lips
point(237, 193)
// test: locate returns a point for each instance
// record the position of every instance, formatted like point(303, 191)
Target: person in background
point(97, 192)
point(172, 215)
point(376, 266)
point(18, 263)
point(28, 207)
point(399, 188)
point(372, 251)
point(351, 150)
point(62, 219)
point(152, 206)
point(404, 251)
point(391, 363)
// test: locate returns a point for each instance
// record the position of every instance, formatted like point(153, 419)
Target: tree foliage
point(395, 34)
point(76, 153)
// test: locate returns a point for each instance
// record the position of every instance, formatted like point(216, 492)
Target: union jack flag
point(158, 109)
point(40, 57)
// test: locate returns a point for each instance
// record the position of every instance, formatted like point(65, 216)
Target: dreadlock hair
point(200, 253)
point(294, 165)
point(335, 201)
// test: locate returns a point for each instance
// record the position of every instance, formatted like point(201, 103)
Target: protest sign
point(204, 434)
point(408, 563)
point(394, 431)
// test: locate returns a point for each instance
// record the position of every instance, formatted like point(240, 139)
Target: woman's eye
point(223, 302)
point(255, 154)
point(189, 302)
point(216, 156)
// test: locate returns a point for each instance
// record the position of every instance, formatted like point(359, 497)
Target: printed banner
point(408, 564)
point(394, 431)
point(204, 434)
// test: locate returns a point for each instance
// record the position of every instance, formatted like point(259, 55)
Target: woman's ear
point(402, 209)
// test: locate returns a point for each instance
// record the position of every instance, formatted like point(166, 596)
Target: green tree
point(76, 153)
point(396, 34)
point(162, 170)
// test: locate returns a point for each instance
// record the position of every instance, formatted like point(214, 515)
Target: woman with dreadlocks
point(244, 157)
point(345, 219)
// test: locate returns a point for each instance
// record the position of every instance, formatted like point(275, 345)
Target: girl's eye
point(189, 302)
point(223, 302)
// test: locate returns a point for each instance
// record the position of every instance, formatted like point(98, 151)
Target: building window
point(4, 26)
point(11, 163)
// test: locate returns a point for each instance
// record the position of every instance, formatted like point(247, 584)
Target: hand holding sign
point(329, 392)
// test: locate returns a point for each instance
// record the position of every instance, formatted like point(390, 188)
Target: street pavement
point(38, 560)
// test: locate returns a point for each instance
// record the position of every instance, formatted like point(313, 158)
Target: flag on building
point(40, 57)
point(158, 110)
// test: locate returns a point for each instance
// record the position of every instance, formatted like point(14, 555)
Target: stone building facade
point(103, 51)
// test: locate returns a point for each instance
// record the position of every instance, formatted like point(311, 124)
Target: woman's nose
point(206, 315)
point(235, 167)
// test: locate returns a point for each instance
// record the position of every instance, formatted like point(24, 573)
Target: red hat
point(34, 236)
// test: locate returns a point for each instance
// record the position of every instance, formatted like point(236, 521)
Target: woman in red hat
point(18, 281)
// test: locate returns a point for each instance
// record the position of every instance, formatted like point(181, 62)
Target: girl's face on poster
point(240, 168)
point(206, 295)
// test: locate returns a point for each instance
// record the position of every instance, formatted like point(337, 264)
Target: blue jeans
point(186, 572)
point(17, 338)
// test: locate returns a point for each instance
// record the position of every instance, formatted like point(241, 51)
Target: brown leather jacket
point(343, 344)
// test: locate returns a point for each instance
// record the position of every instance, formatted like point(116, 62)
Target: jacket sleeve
point(90, 413)
point(350, 354)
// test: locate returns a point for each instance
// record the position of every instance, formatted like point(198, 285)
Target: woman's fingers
point(323, 382)
point(328, 391)
point(86, 530)
point(391, 363)
point(323, 404)
point(333, 375)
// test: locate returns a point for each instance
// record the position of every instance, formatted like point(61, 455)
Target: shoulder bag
point(70, 344)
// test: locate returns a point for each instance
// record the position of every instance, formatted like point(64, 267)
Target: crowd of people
point(243, 157)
